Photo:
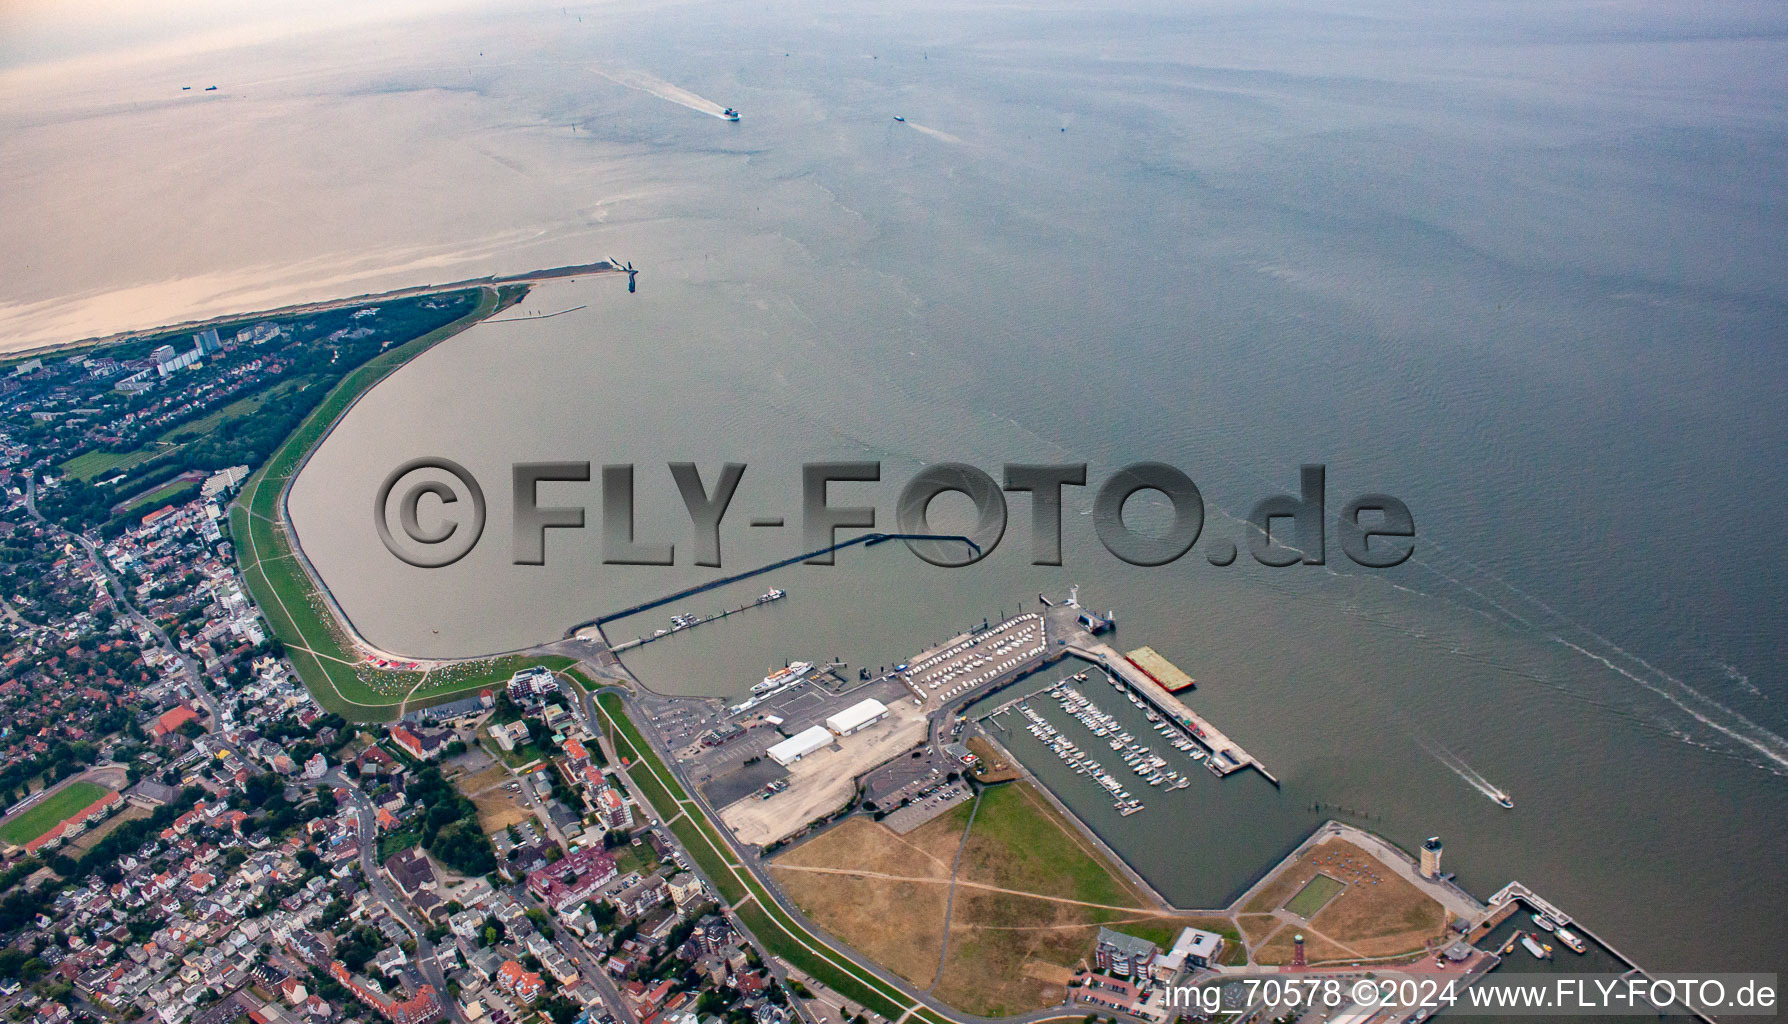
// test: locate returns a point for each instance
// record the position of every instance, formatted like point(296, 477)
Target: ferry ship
point(772, 594)
point(783, 676)
point(1570, 939)
point(1539, 951)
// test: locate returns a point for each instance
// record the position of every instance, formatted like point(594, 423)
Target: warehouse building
point(857, 717)
point(800, 745)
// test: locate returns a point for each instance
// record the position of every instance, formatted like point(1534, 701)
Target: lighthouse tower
point(1431, 857)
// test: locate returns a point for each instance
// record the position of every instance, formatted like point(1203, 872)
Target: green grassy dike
point(784, 937)
point(296, 613)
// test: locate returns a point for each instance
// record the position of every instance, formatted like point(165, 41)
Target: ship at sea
point(783, 676)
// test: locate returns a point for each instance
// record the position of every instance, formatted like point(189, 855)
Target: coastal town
point(222, 806)
point(174, 856)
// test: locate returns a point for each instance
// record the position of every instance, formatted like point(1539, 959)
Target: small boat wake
point(634, 79)
point(1471, 776)
point(936, 133)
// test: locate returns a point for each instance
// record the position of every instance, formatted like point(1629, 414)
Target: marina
point(1142, 761)
point(1225, 755)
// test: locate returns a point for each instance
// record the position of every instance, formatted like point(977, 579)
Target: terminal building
point(854, 719)
point(800, 745)
point(857, 717)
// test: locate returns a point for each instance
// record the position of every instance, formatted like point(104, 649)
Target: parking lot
point(977, 658)
point(927, 807)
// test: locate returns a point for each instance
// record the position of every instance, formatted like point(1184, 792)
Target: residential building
point(1124, 956)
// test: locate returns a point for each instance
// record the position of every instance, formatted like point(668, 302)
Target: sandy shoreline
point(303, 308)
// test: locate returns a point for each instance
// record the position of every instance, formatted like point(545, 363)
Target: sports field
point(1315, 895)
point(42, 816)
point(1348, 905)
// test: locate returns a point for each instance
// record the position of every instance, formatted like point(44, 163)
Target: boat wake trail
point(1500, 599)
point(635, 79)
point(1471, 776)
point(938, 134)
point(1467, 584)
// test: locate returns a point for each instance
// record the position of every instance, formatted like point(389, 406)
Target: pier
point(1511, 895)
point(1068, 630)
point(1227, 755)
point(866, 540)
point(686, 622)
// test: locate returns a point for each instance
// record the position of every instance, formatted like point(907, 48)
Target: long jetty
point(867, 540)
point(699, 620)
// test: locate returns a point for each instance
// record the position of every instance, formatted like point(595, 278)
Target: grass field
point(298, 615)
point(897, 924)
point(1353, 907)
point(1021, 842)
point(992, 767)
point(90, 838)
point(498, 808)
point(91, 465)
point(1315, 895)
point(162, 493)
point(241, 408)
point(1278, 950)
point(39, 818)
point(1020, 922)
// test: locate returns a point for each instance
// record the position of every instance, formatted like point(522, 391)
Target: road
point(589, 964)
point(425, 961)
point(585, 709)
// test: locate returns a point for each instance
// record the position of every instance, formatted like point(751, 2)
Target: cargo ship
point(783, 677)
